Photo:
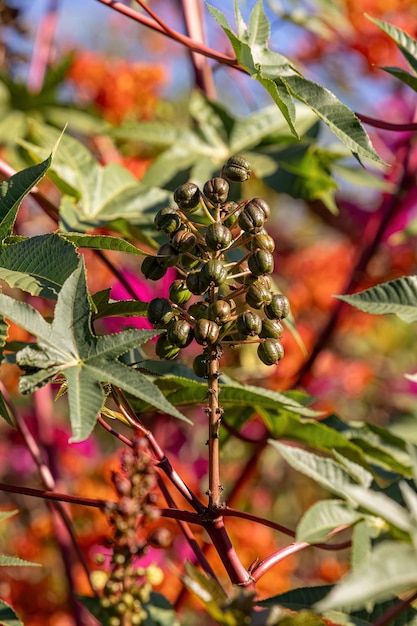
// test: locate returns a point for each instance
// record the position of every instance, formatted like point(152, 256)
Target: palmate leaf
point(284, 82)
point(68, 347)
point(396, 296)
point(94, 195)
point(323, 517)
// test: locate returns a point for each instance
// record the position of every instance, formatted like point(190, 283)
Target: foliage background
point(359, 361)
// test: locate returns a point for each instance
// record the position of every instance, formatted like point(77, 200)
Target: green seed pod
point(167, 255)
point(265, 281)
point(206, 331)
point(195, 284)
point(200, 366)
point(230, 213)
point(187, 197)
point(178, 292)
point(261, 262)
point(168, 220)
point(218, 237)
point(180, 333)
point(219, 311)
point(261, 204)
point(270, 351)
point(271, 328)
point(198, 310)
point(261, 241)
point(183, 240)
point(164, 348)
point(257, 295)
point(213, 273)
point(278, 307)
point(249, 324)
point(160, 311)
point(151, 269)
point(188, 262)
point(216, 190)
point(252, 218)
point(237, 169)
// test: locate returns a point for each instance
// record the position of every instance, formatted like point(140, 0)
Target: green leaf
point(14, 189)
point(68, 346)
point(363, 533)
point(379, 504)
point(406, 44)
point(102, 242)
point(7, 616)
point(282, 79)
point(403, 76)
point(95, 195)
point(7, 561)
point(396, 296)
point(391, 569)
point(324, 471)
point(38, 265)
point(323, 517)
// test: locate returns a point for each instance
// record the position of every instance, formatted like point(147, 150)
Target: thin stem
point(42, 47)
point(396, 610)
point(266, 564)
point(214, 412)
point(193, 11)
point(53, 495)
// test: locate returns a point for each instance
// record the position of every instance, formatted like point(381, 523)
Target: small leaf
point(403, 76)
point(7, 561)
point(396, 296)
point(323, 517)
point(7, 616)
point(391, 569)
point(102, 242)
point(13, 190)
point(406, 44)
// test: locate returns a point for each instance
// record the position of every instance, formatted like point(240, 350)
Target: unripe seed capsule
point(160, 311)
point(213, 273)
point(168, 220)
point(278, 307)
point(271, 328)
point(198, 310)
point(219, 311)
point(218, 237)
point(261, 204)
point(216, 190)
point(187, 197)
point(206, 332)
point(261, 241)
point(151, 269)
point(178, 292)
point(257, 296)
point(261, 262)
point(230, 213)
point(237, 169)
point(183, 240)
point(165, 350)
point(249, 324)
point(200, 366)
point(270, 351)
point(194, 283)
point(252, 218)
point(167, 255)
point(180, 333)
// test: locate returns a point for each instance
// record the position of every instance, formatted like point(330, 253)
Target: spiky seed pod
point(195, 284)
point(261, 262)
point(198, 310)
point(237, 169)
point(168, 220)
point(180, 333)
point(151, 269)
point(218, 237)
point(278, 307)
point(258, 296)
point(164, 348)
point(206, 332)
point(160, 311)
point(249, 324)
point(230, 213)
point(270, 351)
point(183, 240)
point(216, 190)
point(219, 311)
point(271, 328)
point(179, 292)
point(261, 204)
point(200, 366)
point(252, 218)
point(261, 241)
point(187, 197)
point(167, 255)
point(213, 273)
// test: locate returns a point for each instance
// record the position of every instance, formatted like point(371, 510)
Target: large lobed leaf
point(67, 346)
point(284, 82)
point(396, 296)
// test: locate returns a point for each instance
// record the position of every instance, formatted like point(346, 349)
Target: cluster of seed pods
point(217, 299)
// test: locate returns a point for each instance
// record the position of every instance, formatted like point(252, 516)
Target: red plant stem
point(42, 48)
point(266, 564)
point(376, 123)
point(193, 11)
point(195, 46)
point(217, 533)
point(53, 495)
